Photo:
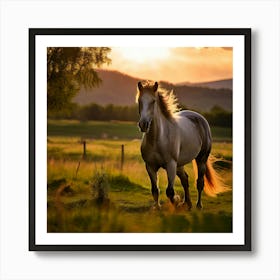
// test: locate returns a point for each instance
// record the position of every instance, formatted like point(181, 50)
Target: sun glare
point(193, 64)
point(144, 54)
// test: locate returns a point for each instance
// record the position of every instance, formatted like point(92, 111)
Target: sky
point(173, 64)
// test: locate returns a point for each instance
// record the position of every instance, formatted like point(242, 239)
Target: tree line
point(217, 116)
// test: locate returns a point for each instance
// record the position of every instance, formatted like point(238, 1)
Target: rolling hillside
point(120, 89)
point(221, 84)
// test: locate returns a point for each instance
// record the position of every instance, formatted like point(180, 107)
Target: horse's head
point(146, 104)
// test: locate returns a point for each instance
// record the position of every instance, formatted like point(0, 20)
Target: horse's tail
point(213, 182)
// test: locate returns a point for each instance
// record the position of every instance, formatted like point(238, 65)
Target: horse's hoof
point(176, 200)
point(156, 207)
point(199, 206)
point(189, 204)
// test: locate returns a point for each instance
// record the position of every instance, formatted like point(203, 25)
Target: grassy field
point(94, 195)
point(113, 130)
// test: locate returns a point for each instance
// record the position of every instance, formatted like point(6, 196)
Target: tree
point(219, 117)
point(70, 68)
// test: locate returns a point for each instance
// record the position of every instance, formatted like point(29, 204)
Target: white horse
point(172, 139)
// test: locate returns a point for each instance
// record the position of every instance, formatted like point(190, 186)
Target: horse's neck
point(157, 127)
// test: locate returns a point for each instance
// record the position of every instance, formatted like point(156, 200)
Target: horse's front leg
point(171, 173)
point(152, 171)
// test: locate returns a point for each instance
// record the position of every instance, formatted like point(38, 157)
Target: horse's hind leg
point(171, 173)
point(182, 174)
point(152, 171)
point(201, 167)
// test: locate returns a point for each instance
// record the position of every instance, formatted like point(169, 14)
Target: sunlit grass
point(129, 193)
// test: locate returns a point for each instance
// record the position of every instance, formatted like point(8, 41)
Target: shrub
point(100, 187)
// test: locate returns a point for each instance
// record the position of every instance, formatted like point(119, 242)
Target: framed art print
point(140, 139)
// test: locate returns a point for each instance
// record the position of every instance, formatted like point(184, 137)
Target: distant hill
point(120, 89)
point(221, 84)
point(116, 88)
point(202, 98)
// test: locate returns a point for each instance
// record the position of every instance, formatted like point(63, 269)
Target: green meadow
point(95, 192)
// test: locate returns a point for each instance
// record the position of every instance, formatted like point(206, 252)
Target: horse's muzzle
point(144, 125)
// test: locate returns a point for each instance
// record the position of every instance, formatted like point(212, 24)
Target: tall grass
point(93, 194)
point(74, 186)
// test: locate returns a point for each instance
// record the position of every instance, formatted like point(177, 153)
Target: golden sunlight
point(144, 54)
point(175, 65)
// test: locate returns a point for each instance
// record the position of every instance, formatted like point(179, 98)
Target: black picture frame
point(245, 32)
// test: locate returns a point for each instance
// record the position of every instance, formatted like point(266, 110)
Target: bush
point(100, 187)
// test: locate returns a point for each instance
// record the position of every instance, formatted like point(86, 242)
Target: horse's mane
point(167, 101)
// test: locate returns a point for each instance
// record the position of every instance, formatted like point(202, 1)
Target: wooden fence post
point(122, 156)
point(77, 169)
point(85, 149)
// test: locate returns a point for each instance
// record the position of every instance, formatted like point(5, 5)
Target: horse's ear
point(155, 87)
point(140, 87)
